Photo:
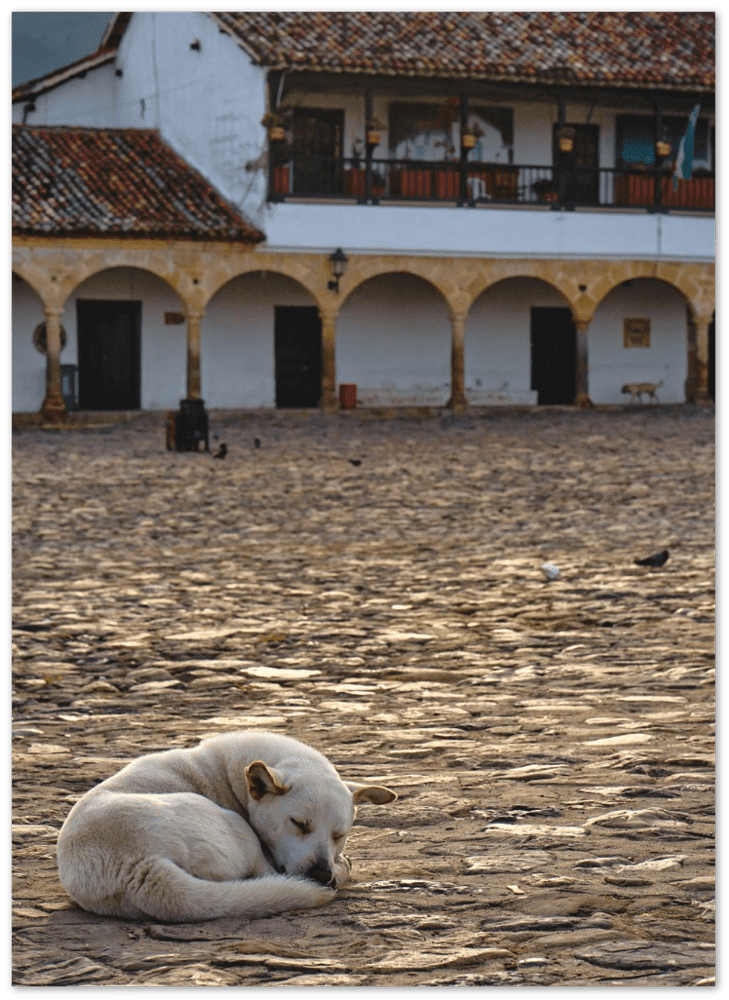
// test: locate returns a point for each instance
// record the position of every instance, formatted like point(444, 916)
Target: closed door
point(297, 338)
point(580, 168)
point(317, 150)
point(554, 349)
point(108, 354)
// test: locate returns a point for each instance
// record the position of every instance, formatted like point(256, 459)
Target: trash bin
point(188, 428)
point(69, 386)
point(348, 396)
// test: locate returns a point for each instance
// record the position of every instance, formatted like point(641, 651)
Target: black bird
point(355, 461)
point(657, 559)
point(257, 442)
point(222, 451)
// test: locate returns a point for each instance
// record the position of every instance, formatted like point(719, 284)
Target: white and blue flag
point(685, 156)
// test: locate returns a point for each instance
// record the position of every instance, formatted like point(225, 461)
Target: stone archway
point(500, 348)
point(395, 338)
point(29, 362)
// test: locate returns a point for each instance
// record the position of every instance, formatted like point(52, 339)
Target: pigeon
point(355, 461)
point(256, 442)
point(222, 451)
point(657, 559)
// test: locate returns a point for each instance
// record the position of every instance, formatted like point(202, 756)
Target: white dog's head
point(303, 816)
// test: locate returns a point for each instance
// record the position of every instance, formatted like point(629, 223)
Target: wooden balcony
point(470, 184)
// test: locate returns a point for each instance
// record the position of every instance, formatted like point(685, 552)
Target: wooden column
point(194, 319)
point(328, 398)
point(53, 406)
point(458, 401)
point(581, 361)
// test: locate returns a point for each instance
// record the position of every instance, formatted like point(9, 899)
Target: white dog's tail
point(163, 891)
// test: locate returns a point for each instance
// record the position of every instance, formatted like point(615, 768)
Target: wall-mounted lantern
point(374, 128)
point(338, 262)
point(274, 125)
point(663, 149)
point(566, 138)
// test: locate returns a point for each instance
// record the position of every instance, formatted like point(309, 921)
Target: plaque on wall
point(636, 333)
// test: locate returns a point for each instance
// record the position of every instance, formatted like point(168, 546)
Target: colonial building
point(439, 208)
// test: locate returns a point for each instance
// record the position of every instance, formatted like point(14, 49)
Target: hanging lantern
point(469, 135)
point(374, 128)
point(663, 149)
point(274, 125)
point(566, 139)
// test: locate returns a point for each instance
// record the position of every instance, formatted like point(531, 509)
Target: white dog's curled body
point(244, 824)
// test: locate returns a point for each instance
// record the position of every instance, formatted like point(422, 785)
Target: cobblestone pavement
point(552, 743)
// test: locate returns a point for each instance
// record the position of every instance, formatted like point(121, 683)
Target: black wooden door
point(581, 167)
point(554, 349)
point(297, 339)
point(108, 354)
point(317, 150)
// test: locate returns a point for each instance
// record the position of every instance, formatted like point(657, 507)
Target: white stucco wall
point(491, 232)
point(29, 365)
point(89, 101)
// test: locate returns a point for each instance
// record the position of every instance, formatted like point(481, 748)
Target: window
point(430, 132)
point(636, 138)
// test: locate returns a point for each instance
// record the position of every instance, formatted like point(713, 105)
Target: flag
point(685, 156)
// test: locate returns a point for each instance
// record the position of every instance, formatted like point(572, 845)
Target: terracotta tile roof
point(666, 49)
point(74, 181)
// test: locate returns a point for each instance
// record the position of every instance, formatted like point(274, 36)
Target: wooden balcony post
point(53, 407)
point(194, 319)
point(581, 362)
point(328, 398)
point(458, 400)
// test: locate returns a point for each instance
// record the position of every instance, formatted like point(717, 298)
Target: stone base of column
point(329, 402)
point(53, 409)
point(187, 429)
point(458, 402)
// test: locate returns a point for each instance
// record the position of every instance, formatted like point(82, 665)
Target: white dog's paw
point(342, 871)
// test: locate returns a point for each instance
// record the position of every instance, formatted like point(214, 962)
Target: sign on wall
point(636, 332)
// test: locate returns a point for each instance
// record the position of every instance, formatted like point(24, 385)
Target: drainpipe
point(53, 407)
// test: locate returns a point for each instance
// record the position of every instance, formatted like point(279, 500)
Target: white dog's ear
point(376, 794)
point(262, 781)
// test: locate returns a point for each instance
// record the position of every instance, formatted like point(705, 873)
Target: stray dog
point(637, 389)
point(244, 824)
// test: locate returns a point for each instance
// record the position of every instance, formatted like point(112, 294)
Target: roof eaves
point(42, 84)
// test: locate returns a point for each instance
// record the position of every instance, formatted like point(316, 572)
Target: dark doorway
point(581, 168)
point(108, 354)
point(297, 339)
point(554, 349)
point(317, 151)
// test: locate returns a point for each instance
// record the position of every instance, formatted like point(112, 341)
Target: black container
point(191, 426)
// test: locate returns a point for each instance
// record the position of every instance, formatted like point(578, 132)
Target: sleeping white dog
point(245, 824)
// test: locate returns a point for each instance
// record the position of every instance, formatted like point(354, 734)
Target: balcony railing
point(376, 181)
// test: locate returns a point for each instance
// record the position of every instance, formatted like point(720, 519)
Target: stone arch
point(682, 277)
point(551, 272)
point(31, 277)
point(90, 265)
point(438, 274)
point(310, 271)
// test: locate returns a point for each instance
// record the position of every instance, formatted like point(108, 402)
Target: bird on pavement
point(657, 559)
point(222, 451)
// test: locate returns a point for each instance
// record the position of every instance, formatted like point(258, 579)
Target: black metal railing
point(380, 180)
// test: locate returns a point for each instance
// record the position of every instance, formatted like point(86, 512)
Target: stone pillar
point(194, 319)
point(53, 407)
point(700, 379)
point(458, 401)
point(581, 363)
point(328, 398)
